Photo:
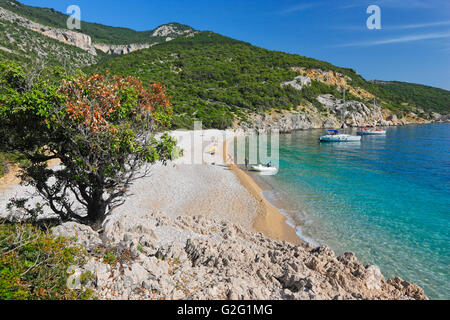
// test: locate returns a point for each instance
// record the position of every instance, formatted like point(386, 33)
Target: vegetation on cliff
point(217, 79)
point(425, 97)
point(98, 32)
point(24, 46)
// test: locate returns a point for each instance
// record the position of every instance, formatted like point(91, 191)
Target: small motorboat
point(366, 131)
point(335, 136)
point(261, 168)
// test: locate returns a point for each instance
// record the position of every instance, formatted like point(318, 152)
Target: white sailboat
point(335, 136)
point(371, 130)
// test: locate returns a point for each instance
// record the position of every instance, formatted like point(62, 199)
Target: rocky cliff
point(121, 49)
point(330, 116)
point(76, 39)
point(156, 257)
point(332, 112)
point(165, 33)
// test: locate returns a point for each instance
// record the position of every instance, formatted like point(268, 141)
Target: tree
point(106, 131)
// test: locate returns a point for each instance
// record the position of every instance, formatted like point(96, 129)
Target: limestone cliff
point(336, 79)
point(354, 113)
point(121, 49)
point(73, 38)
point(332, 112)
point(83, 41)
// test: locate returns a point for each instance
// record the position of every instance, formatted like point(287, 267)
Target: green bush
point(34, 265)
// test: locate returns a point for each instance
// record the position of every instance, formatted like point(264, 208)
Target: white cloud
point(299, 7)
point(397, 4)
point(396, 27)
point(419, 25)
point(403, 39)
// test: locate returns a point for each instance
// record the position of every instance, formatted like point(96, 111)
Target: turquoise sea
point(386, 198)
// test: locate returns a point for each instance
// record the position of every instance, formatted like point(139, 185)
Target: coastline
point(269, 220)
point(212, 218)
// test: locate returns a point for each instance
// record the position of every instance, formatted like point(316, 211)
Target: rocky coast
point(203, 231)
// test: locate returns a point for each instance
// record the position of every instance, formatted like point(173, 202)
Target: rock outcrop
point(170, 30)
point(81, 234)
point(121, 49)
point(336, 79)
point(298, 83)
point(84, 42)
point(195, 258)
point(76, 39)
point(333, 113)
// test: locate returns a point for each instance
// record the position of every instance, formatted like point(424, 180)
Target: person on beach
point(246, 163)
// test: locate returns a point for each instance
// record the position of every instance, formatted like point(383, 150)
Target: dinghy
point(261, 168)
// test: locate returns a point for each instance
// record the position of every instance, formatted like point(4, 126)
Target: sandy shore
point(9, 180)
point(196, 184)
point(269, 220)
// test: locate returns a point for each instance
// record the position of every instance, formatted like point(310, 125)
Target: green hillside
point(424, 97)
point(214, 78)
point(25, 46)
point(98, 32)
point(218, 79)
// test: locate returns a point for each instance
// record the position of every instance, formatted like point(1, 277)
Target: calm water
point(386, 198)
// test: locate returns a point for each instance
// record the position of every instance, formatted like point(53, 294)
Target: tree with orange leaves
point(102, 129)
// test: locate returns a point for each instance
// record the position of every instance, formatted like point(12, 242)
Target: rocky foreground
point(152, 256)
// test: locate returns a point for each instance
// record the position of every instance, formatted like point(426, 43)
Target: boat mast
point(374, 105)
point(343, 112)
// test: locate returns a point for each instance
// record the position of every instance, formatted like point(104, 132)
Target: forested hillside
point(214, 78)
point(98, 32)
point(425, 97)
point(218, 79)
point(25, 46)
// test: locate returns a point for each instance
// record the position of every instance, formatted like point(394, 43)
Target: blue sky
point(412, 45)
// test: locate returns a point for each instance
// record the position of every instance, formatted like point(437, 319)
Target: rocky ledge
point(121, 49)
point(154, 257)
point(330, 115)
point(76, 39)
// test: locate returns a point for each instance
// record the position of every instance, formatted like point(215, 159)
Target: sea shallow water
point(386, 198)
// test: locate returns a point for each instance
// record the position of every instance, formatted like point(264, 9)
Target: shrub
point(101, 128)
point(34, 265)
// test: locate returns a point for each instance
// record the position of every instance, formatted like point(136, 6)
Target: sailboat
point(335, 136)
point(371, 130)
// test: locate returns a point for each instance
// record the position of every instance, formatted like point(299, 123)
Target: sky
point(413, 43)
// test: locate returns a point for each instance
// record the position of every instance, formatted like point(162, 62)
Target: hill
point(24, 46)
point(221, 81)
point(218, 80)
point(98, 32)
point(425, 97)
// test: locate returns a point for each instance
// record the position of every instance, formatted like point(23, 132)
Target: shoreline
point(219, 209)
point(269, 220)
